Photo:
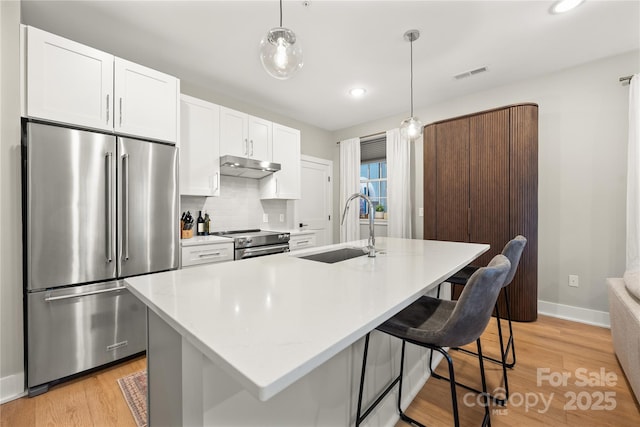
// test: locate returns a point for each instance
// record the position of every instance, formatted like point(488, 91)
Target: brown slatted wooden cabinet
point(481, 185)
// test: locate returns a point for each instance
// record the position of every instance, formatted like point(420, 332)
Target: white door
point(314, 209)
point(233, 133)
point(68, 82)
point(146, 102)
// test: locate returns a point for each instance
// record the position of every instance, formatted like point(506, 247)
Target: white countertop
point(203, 240)
point(301, 231)
point(268, 321)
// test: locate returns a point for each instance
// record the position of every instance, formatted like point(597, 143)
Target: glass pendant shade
point(411, 128)
point(280, 53)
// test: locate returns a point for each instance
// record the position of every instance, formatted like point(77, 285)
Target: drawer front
point(74, 329)
point(301, 242)
point(207, 254)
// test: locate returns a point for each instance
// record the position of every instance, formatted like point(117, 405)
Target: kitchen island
point(275, 340)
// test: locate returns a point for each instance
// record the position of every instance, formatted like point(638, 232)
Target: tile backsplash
point(239, 207)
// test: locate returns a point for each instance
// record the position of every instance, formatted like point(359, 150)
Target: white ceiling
point(346, 44)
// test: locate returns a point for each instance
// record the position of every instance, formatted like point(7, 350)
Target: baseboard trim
point(576, 314)
point(12, 387)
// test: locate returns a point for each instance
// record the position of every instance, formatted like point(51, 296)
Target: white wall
point(583, 121)
point(11, 338)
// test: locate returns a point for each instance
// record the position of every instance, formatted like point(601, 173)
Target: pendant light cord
point(280, 13)
point(411, 76)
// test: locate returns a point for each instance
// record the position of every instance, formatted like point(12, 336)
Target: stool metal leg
point(364, 366)
point(360, 417)
point(486, 421)
point(510, 341)
point(502, 353)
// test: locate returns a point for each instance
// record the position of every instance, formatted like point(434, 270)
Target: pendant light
point(280, 53)
point(411, 127)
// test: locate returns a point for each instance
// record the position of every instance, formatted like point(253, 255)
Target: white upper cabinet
point(260, 138)
point(68, 82)
point(243, 135)
point(284, 184)
point(234, 132)
point(199, 147)
point(146, 101)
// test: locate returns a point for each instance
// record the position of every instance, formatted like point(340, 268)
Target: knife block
point(186, 234)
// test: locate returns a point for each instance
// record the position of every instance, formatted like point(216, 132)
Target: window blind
point(373, 149)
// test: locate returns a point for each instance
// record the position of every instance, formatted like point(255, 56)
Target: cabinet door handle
point(302, 242)
point(252, 147)
point(246, 147)
point(107, 108)
point(209, 254)
point(216, 178)
point(120, 111)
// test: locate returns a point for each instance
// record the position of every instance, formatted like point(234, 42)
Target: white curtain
point(398, 185)
point(349, 184)
point(632, 273)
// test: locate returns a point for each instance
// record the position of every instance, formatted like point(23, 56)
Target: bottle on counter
point(200, 221)
point(207, 223)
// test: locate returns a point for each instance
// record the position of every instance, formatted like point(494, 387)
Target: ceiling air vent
point(470, 73)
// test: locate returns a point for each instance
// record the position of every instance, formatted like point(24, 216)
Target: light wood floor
point(558, 345)
point(93, 400)
point(555, 346)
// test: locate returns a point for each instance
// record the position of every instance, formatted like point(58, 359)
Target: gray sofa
point(624, 311)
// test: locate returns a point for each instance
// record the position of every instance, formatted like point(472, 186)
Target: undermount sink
point(336, 255)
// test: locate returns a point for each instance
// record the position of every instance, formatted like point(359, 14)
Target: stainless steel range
point(255, 243)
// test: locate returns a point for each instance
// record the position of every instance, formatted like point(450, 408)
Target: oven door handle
point(273, 249)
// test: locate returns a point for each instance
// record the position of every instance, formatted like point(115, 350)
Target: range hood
point(246, 168)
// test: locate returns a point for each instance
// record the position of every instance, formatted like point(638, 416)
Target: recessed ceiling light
point(357, 92)
point(563, 6)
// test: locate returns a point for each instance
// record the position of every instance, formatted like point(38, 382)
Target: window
point(373, 172)
point(373, 183)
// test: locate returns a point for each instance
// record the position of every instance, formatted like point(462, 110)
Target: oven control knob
point(242, 241)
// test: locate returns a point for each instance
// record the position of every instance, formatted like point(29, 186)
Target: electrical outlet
point(573, 280)
point(420, 211)
point(281, 217)
point(265, 217)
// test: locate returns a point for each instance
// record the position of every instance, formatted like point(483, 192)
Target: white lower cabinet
point(302, 240)
point(197, 253)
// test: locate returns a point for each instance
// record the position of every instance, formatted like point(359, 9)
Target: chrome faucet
point(371, 244)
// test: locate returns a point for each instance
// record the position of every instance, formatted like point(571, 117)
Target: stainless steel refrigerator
point(98, 208)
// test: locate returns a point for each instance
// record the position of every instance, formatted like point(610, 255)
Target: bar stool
point(513, 251)
point(435, 324)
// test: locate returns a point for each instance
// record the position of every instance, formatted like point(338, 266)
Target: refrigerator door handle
point(84, 294)
point(109, 239)
point(125, 206)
